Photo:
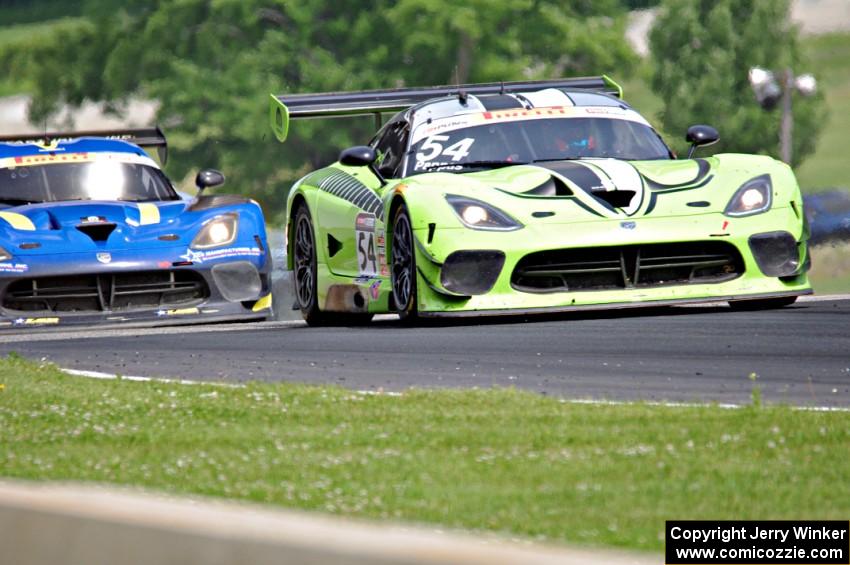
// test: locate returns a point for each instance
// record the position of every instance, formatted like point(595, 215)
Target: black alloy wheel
point(403, 266)
point(304, 271)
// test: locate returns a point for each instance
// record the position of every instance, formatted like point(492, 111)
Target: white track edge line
point(588, 401)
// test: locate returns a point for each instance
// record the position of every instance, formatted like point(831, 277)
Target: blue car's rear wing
point(146, 138)
point(285, 107)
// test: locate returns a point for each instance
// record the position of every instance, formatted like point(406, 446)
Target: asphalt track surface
point(801, 354)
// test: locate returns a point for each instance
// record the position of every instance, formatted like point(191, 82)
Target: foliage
point(703, 50)
point(30, 11)
point(212, 66)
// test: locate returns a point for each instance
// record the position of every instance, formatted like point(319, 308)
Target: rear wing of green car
point(286, 107)
point(146, 138)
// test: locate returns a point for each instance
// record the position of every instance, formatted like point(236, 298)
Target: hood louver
point(553, 187)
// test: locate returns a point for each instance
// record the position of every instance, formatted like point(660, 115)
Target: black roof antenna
point(501, 87)
point(461, 93)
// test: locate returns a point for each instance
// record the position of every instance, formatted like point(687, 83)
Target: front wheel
point(762, 303)
point(403, 273)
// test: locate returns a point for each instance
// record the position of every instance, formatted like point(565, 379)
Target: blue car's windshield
point(95, 180)
point(528, 141)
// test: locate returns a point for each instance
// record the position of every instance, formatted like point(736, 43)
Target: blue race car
point(91, 230)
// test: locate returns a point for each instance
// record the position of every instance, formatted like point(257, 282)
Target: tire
point(403, 266)
point(305, 277)
point(304, 269)
point(761, 303)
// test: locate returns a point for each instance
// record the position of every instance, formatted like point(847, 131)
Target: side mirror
point(358, 156)
point(208, 178)
point(361, 156)
point(699, 136)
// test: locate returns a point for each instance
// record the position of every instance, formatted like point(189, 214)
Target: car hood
point(79, 226)
point(584, 189)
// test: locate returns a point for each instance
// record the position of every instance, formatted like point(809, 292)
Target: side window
point(390, 149)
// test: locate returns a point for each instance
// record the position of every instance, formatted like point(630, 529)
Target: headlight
point(481, 216)
point(217, 232)
point(754, 197)
point(4, 255)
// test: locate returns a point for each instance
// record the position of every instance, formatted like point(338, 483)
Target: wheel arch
point(297, 201)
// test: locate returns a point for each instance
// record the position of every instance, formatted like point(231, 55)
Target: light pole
point(769, 92)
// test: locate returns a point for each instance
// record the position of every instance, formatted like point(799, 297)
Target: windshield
point(529, 141)
point(96, 180)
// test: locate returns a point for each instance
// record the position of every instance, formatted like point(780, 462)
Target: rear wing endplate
point(286, 107)
point(146, 138)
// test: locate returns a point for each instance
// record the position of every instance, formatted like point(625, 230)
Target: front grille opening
point(630, 266)
point(106, 292)
point(98, 232)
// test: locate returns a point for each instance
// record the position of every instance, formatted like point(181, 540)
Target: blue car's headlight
point(479, 215)
point(4, 255)
point(754, 196)
point(219, 231)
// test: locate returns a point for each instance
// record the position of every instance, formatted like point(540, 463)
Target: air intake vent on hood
point(552, 187)
point(99, 231)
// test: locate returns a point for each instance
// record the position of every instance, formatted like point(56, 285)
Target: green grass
point(829, 57)
point(495, 460)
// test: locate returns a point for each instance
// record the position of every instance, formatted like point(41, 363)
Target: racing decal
point(263, 303)
point(431, 148)
point(14, 268)
point(701, 179)
point(621, 175)
point(200, 256)
point(178, 312)
point(82, 157)
point(424, 129)
point(375, 289)
point(342, 185)
point(148, 213)
point(104, 257)
point(17, 221)
point(365, 242)
point(36, 321)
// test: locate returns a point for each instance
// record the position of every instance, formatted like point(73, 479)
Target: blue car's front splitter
point(168, 286)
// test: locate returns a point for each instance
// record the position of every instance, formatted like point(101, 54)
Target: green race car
point(538, 196)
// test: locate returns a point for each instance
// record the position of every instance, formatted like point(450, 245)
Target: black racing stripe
point(702, 170)
point(653, 200)
point(581, 175)
point(500, 102)
point(586, 207)
point(342, 185)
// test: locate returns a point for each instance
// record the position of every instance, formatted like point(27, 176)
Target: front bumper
point(505, 297)
point(139, 287)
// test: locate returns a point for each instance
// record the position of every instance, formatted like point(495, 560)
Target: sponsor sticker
point(104, 257)
point(364, 238)
point(375, 289)
point(628, 225)
point(201, 256)
point(14, 267)
point(36, 321)
point(93, 220)
point(178, 312)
